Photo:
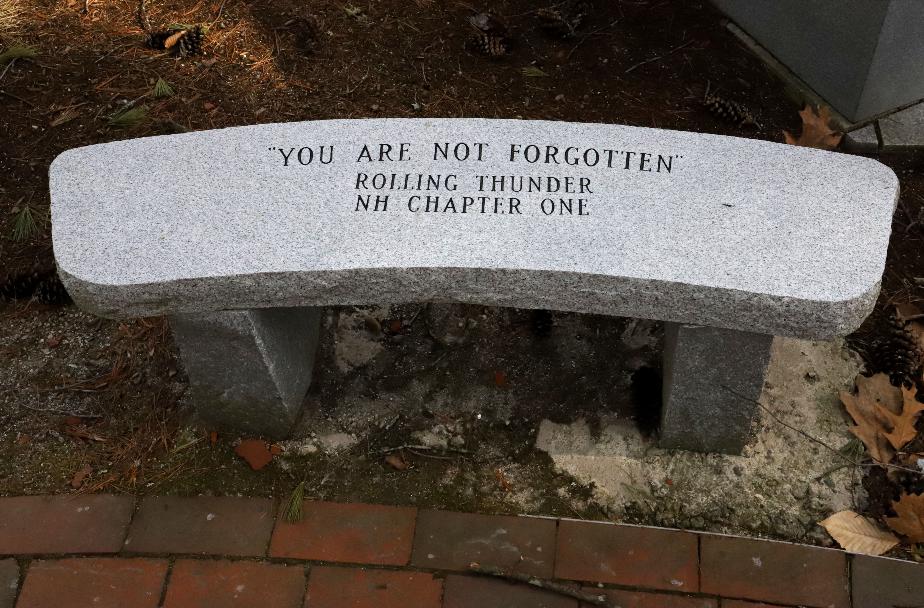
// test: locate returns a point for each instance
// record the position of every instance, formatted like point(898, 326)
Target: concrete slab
point(780, 486)
point(864, 140)
point(903, 130)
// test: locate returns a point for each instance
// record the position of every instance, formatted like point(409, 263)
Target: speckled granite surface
point(737, 233)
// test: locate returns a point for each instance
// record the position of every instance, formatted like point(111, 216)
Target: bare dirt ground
point(98, 404)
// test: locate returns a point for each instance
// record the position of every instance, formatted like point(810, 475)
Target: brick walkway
point(107, 551)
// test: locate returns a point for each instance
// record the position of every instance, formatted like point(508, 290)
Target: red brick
point(878, 581)
point(101, 582)
point(743, 604)
point(353, 533)
point(483, 592)
point(203, 525)
point(234, 584)
point(9, 582)
point(642, 599)
point(333, 587)
point(452, 541)
point(627, 555)
point(774, 572)
point(63, 524)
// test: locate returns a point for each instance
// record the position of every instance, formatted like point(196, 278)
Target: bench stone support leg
point(698, 413)
point(249, 370)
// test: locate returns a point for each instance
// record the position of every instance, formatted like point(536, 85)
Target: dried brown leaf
point(815, 130)
point(81, 476)
point(909, 520)
point(902, 425)
point(502, 480)
point(858, 534)
point(255, 452)
point(874, 396)
point(396, 461)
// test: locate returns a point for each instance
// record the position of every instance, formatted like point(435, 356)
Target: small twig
point(832, 470)
point(7, 68)
point(17, 97)
point(143, 17)
point(221, 7)
point(838, 453)
point(547, 585)
point(58, 412)
point(659, 57)
point(433, 456)
point(588, 35)
point(423, 448)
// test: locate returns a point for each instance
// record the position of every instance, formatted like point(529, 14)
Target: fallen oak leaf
point(874, 395)
point(815, 130)
point(909, 520)
point(903, 424)
point(255, 452)
point(858, 534)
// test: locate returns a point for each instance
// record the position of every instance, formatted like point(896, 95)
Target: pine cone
point(182, 42)
point(308, 32)
point(38, 281)
point(51, 291)
point(729, 111)
point(492, 46)
point(191, 44)
point(563, 23)
point(157, 40)
point(897, 353)
point(554, 22)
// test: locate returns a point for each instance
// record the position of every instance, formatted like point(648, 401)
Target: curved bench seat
point(722, 231)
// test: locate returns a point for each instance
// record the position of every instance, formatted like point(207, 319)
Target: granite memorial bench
point(241, 234)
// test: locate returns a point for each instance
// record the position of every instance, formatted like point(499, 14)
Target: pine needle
point(162, 89)
point(17, 52)
point(24, 227)
point(130, 117)
point(10, 18)
point(64, 117)
point(353, 11)
point(293, 510)
point(533, 72)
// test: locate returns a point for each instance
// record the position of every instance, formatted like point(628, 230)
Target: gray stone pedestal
point(710, 376)
point(249, 370)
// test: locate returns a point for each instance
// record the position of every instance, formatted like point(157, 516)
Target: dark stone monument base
point(249, 370)
point(712, 380)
